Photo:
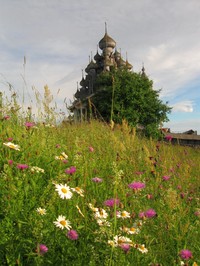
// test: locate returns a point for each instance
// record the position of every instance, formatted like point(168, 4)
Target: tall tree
point(121, 94)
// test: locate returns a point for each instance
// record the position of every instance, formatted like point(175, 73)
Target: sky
point(50, 41)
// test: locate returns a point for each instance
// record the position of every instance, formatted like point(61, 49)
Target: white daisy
point(103, 222)
point(12, 146)
point(41, 211)
point(142, 248)
point(123, 214)
point(62, 223)
point(62, 157)
point(78, 190)
point(133, 231)
point(35, 169)
point(64, 191)
point(122, 240)
point(101, 214)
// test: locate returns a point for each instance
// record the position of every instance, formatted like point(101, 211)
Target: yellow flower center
point(64, 190)
point(12, 146)
point(63, 222)
point(124, 214)
point(132, 229)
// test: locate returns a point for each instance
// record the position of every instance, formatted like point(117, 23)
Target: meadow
point(86, 194)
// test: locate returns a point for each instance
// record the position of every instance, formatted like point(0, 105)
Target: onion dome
point(97, 57)
point(117, 55)
point(82, 82)
point(77, 94)
point(91, 65)
point(122, 63)
point(128, 65)
point(106, 41)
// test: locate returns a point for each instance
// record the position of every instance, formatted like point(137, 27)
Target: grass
point(118, 157)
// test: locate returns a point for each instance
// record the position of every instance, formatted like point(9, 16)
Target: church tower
point(104, 61)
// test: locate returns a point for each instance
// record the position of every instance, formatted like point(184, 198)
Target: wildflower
point(12, 146)
point(64, 191)
point(142, 215)
point(197, 213)
point(165, 177)
point(101, 214)
point(133, 231)
point(6, 117)
point(72, 234)
point(122, 240)
point(42, 249)
point(35, 169)
point(70, 170)
point(150, 213)
point(41, 211)
point(125, 247)
point(10, 162)
point(29, 124)
point(78, 190)
point(142, 248)
point(123, 214)
point(91, 149)
point(22, 166)
point(62, 223)
point(103, 222)
point(185, 254)
point(111, 202)
point(97, 180)
point(168, 137)
point(136, 186)
point(112, 243)
point(149, 196)
point(94, 209)
point(63, 157)
point(9, 139)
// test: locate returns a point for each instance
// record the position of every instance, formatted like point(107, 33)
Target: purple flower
point(91, 149)
point(6, 117)
point(10, 162)
point(168, 137)
point(97, 180)
point(111, 202)
point(136, 185)
point(29, 124)
point(197, 213)
point(42, 249)
point(125, 247)
point(71, 170)
point(185, 254)
point(141, 215)
point(22, 166)
point(10, 139)
point(72, 234)
point(150, 213)
point(166, 177)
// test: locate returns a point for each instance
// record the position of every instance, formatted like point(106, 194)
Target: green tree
point(127, 95)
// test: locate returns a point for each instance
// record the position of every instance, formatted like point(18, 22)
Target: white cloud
point(184, 106)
